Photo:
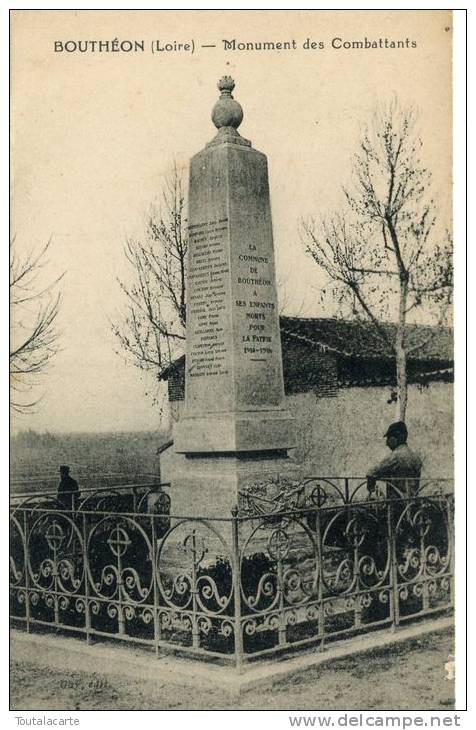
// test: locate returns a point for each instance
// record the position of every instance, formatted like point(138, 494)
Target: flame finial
point(227, 112)
point(226, 85)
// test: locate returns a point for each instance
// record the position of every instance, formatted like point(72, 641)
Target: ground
point(407, 676)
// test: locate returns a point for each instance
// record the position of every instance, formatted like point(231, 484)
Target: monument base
point(249, 431)
point(209, 485)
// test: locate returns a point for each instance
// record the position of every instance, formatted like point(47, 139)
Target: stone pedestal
point(209, 486)
point(234, 424)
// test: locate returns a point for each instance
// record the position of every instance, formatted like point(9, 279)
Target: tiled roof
point(359, 339)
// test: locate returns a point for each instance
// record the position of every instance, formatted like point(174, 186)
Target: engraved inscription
point(256, 306)
point(207, 299)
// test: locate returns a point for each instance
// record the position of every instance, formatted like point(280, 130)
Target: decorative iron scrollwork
point(321, 563)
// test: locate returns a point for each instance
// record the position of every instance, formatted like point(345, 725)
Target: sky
point(94, 134)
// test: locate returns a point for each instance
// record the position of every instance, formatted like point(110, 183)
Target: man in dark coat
point(401, 469)
point(68, 490)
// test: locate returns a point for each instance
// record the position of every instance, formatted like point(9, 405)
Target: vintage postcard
point(232, 361)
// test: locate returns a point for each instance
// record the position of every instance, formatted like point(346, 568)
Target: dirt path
point(408, 676)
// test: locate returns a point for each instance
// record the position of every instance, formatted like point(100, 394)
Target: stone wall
point(343, 435)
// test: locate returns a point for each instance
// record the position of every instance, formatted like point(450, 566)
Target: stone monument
point(234, 429)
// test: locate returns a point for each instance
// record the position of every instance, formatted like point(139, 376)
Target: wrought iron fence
point(320, 562)
point(137, 497)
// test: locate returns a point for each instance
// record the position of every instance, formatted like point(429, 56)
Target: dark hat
point(63, 467)
point(397, 429)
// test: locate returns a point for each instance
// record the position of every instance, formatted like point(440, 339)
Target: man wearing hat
point(68, 490)
point(401, 469)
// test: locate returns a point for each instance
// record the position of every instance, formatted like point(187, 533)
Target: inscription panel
point(209, 269)
point(256, 317)
point(208, 362)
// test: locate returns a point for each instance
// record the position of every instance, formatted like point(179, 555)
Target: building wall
point(309, 368)
point(343, 436)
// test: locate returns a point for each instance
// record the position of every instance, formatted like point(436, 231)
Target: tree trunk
point(401, 382)
point(400, 353)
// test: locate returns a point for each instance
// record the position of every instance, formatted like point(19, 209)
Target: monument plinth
point(234, 423)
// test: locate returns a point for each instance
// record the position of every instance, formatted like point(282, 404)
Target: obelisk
point(234, 428)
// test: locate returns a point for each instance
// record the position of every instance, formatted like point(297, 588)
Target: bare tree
point(34, 336)
point(383, 250)
point(152, 331)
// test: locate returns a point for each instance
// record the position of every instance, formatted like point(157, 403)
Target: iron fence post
point(425, 596)
point(27, 577)
point(395, 608)
point(346, 490)
point(282, 617)
point(236, 573)
point(155, 583)
point(87, 613)
point(195, 630)
point(55, 584)
point(120, 613)
point(357, 601)
point(320, 585)
point(451, 546)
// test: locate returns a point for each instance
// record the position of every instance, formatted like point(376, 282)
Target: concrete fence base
point(72, 654)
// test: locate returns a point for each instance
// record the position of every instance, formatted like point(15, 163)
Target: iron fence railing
point(132, 497)
point(321, 561)
point(91, 480)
